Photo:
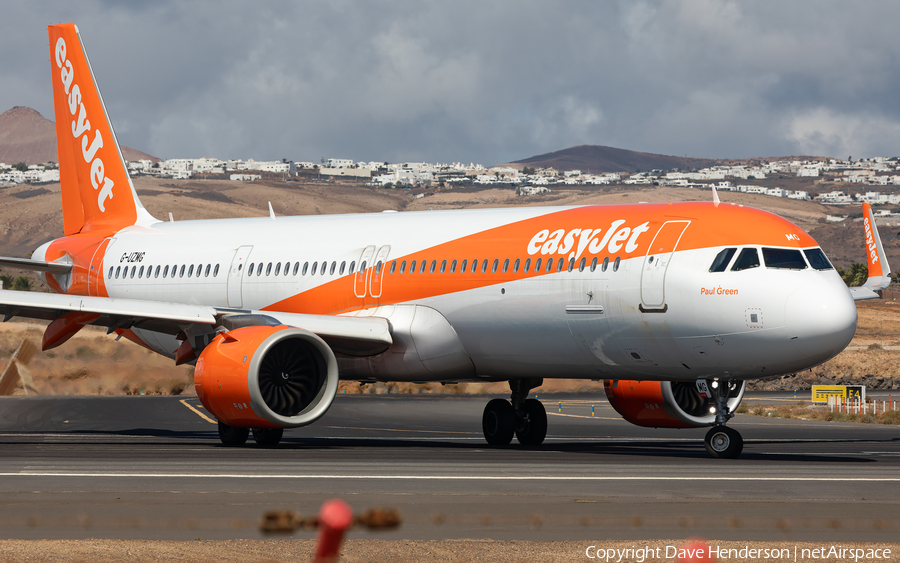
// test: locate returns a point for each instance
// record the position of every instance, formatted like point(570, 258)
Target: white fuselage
point(584, 323)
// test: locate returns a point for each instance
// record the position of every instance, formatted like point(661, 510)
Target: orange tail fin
point(97, 193)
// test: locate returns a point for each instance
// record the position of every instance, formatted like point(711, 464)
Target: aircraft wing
point(34, 265)
point(879, 270)
point(352, 335)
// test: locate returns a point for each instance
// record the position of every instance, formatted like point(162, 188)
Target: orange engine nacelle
point(665, 404)
point(266, 377)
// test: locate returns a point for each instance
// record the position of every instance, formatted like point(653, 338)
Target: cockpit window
point(748, 258)
point(784, 258)
point(722, 260)
point(817, 259)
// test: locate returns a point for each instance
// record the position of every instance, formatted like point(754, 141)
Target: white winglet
point(715, 196)
point(271, 211)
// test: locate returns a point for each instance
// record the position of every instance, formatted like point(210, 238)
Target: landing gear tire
point(267, 436)
point(498, 422)
point(724, 442)
point(532, 428)
point(232, 435)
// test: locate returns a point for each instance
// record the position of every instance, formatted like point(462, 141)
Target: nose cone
point(821, 319)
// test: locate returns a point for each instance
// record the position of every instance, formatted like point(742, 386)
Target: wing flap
point(352, 336)
point(114, 313)
point(355, 336)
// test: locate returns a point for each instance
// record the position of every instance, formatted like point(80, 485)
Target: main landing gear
point(721, 441)
point(234, 436)
point(526, 418)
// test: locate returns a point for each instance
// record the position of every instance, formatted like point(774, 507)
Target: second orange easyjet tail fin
point(97, 193)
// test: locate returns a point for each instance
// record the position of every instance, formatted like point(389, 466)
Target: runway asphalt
point(153, 468)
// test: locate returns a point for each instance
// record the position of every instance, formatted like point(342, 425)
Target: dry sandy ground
point(359, 551)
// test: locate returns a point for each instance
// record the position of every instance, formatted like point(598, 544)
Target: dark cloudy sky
point(476, 81)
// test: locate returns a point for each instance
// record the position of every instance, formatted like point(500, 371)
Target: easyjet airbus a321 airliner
point(674, 306)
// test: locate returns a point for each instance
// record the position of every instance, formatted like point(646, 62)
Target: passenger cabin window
point(191, 271)
point(462, 267)
point(393, 267)
point(474, 266)
point(249, 270)
point(110, 272)
point(352, 267)
point(216, 271)
point(720, 264)
point(206, 272)
point(314, 268)
point(259, 268)
point(181, 271)
point(453, 267)
point(297, 268)
point(559, 266)
point(494, 267)
point(412, 267)
point(403, 267)
point(334, 265)
point(616, 264)
point(156, 273)
point(748, 258)
point(527, 267)
point(784, 258)
point(423, 266)
point(537, 266)
point(594, 264)
point(505, 265)
point(582, 264)
point(443, 266)
point(433, 266)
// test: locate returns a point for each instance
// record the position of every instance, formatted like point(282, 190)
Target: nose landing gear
point(526, 418)
point(722, 441)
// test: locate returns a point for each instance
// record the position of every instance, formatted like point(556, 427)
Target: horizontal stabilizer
point(35, 265)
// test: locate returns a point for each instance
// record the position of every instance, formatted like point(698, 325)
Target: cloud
point(474, 81)
point(823, 131)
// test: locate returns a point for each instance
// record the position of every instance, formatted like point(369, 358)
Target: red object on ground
point(335, 517)
point(695, 550)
